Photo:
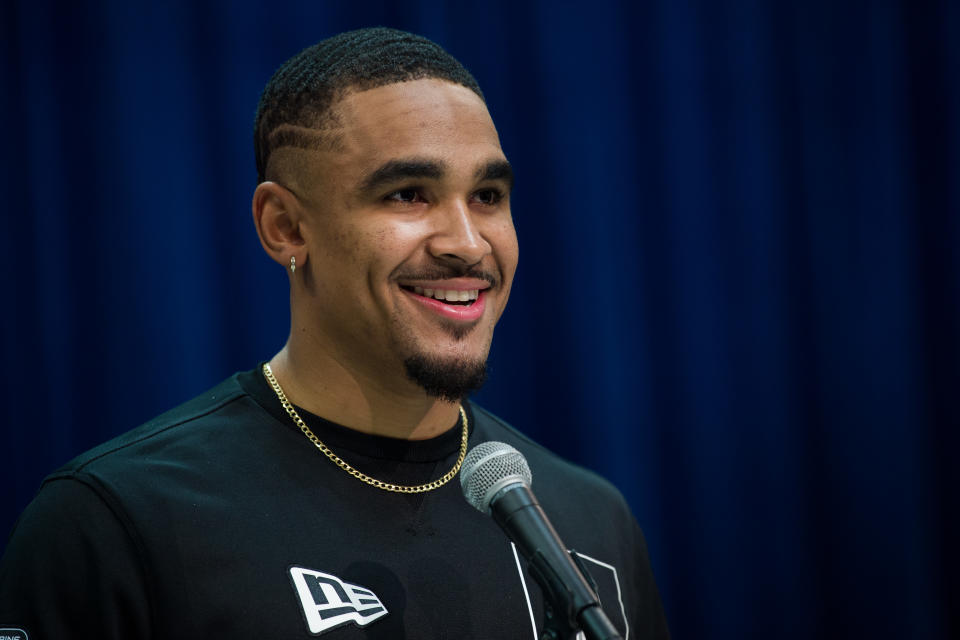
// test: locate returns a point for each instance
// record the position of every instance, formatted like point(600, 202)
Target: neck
point(327, 387)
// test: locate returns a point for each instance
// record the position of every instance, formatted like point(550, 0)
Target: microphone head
point(488, 469)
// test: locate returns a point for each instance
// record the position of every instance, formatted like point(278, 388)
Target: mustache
point(443, 272)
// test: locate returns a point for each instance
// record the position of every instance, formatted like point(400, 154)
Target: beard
point(450, 380)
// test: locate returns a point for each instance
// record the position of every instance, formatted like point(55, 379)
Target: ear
point(277, 216)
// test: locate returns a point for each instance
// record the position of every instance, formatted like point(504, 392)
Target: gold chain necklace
point(380, 484)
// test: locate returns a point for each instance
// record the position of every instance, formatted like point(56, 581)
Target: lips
point(463, 305)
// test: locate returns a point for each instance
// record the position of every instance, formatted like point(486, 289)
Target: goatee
point(446, 379)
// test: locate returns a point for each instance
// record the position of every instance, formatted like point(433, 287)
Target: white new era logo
point(329, 602)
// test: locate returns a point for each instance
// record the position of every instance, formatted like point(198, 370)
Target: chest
point(347, 566)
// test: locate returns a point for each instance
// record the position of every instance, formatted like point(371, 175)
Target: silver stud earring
point(293, 264)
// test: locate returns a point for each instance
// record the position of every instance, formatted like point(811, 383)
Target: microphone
point(496, 480)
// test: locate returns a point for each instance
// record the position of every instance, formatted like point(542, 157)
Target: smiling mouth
point(447, 296)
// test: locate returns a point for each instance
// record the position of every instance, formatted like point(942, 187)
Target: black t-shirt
point(219, 519)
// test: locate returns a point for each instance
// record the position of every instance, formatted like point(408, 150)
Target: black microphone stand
point(570, 601)
point(592, 620)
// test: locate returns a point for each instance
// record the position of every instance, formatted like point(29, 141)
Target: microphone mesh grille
point(489, 467)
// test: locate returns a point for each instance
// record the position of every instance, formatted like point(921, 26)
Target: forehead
point(426, 117)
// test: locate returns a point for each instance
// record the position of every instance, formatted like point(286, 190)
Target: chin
point(447, 378)
point(449, 360)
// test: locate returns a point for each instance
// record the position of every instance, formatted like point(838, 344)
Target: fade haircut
point(295, 106)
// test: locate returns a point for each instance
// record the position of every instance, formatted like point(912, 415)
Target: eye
point(406, 195)
point(488, 196)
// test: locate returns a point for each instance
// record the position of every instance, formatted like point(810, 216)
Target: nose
point(457, 237)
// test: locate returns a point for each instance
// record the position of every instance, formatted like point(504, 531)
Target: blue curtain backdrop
point(738, 289)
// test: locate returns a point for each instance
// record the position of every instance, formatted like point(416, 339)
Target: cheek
point(398, 243)
point(337, 263)
point(504, 240)
point(366, 256)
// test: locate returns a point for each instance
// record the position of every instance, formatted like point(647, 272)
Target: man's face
point(412, 248)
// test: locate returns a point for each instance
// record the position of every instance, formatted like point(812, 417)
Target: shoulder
point(156, 473)
point(592, 517)
point(153, 437)
point(555, 480)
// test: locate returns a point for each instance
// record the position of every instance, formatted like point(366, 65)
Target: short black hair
point(302, 91)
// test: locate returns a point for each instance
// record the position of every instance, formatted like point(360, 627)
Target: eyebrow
point(403, 169)
point(497, 170)
point(396, 170)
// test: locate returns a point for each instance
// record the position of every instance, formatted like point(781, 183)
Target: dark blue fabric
point(739, 286)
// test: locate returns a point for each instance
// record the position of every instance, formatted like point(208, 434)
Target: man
point(317, 494)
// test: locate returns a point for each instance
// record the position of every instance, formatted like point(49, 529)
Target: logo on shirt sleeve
point(329, 602)
point(13, 633)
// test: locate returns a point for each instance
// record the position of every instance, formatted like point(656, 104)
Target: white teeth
point(451, 295)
